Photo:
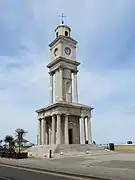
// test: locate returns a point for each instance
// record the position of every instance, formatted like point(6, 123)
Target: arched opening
point(66, 33)
point(57, 34)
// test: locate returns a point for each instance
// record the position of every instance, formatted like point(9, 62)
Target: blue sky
point(106, 34)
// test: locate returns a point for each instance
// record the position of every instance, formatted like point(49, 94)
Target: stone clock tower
point(63, 65)
point(59, 123)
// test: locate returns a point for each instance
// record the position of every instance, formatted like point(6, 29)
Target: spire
point(62, 18)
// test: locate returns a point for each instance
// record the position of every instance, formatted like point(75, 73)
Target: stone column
point(89, 130)
point(50, 134)
point(66, 130)
point(53, 137)
point(45, 127)
point(39, 131)
point(37, 140)
point(83, 130)
point(58, 129)
point(61, 83)
point(75, 87)
point(47, 133)
point(51, 88)
point(57, 86)
point(43, 131)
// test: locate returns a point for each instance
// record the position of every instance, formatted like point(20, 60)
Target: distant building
point(25, 143)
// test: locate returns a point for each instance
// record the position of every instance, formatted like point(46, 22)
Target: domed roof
point(63, 26)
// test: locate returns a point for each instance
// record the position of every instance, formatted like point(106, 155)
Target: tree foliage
point(129, 142)
point(20, 133)
point(10, 141)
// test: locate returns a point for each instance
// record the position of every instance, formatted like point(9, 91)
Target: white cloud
point(101, 84)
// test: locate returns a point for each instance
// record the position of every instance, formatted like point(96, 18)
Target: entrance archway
point(70, 135)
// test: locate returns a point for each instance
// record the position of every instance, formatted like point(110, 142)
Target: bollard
point(30, 154)
point(50, 153)
point(45, 155)
point(111, 147)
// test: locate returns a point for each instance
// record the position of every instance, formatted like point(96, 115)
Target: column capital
point(75, 72)
point(51, 73)
point(45, 117)
point(67, 114)
point(89, 114)
point(61, 67)
point(82, 117)
point(58, 114)
point(55, 114)
point(39, 119)
point(53, 117)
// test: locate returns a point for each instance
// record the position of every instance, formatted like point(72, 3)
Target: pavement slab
point(114, 165)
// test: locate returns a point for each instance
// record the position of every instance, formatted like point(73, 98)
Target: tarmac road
point(16, 173)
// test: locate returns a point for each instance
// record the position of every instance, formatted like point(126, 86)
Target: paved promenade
point(111, 165)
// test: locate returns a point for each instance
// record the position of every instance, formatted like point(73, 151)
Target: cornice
point(62, 59)
point(68, 39)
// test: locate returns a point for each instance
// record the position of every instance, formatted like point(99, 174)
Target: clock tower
point(63, 45)
point(63, 66)
point(59, 122)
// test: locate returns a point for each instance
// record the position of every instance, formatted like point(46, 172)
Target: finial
point(62, 18)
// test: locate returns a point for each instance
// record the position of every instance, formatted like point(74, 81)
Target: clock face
point(56, 51)
point(67, 50)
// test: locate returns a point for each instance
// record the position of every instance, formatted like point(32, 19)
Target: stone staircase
point(78, 148)
point(66, 149)
point(39, 151)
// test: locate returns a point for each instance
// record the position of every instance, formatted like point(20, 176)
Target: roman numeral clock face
point(67, 51)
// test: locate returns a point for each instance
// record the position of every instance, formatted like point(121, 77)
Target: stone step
point(76, 148)
point(40, 151)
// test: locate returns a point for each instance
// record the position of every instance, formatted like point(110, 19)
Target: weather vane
point(62, 18)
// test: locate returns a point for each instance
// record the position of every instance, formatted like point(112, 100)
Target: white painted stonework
point(59, 123)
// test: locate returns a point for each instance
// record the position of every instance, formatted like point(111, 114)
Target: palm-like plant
point(20, 133)
point(9, 140)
